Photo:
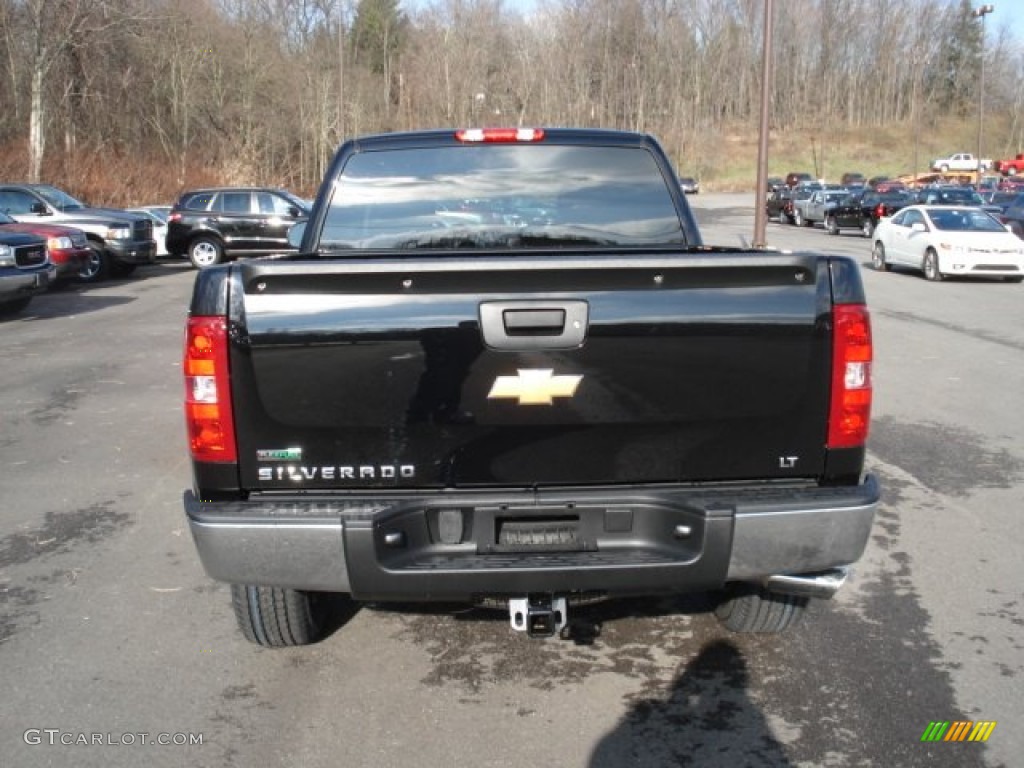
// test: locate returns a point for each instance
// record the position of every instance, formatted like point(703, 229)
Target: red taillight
point(850, 410)
point(879, 210)
point(176, 216)
point(499, 135)
point(208, 417)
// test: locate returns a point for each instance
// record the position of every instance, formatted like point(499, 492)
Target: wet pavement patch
point(60, 531)
point(16, 608)
point(946, 459)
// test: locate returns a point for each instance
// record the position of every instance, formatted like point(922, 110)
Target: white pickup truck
point(961, 161)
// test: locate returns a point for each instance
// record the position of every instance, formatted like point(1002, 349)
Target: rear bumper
point(451, 546)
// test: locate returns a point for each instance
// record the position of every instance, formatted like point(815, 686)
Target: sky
point(1011, 13)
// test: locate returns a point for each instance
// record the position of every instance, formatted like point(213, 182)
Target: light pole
point(980, 13)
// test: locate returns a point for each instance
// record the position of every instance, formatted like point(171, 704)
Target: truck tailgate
point(540, 369)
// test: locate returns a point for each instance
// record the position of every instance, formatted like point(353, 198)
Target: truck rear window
point(501, 196)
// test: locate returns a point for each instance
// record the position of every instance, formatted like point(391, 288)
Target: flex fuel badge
point(279, 454)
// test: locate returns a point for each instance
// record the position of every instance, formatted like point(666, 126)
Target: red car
point(67, 247)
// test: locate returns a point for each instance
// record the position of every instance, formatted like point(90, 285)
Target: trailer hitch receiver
point(538, 615)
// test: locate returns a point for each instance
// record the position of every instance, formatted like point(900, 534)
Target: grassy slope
point(887, 151)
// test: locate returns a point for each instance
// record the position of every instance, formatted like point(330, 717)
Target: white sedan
point(948, 240)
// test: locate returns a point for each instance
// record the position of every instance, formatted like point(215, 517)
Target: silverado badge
point(534, 387)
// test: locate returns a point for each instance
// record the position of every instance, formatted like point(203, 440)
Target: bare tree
point(264, 90)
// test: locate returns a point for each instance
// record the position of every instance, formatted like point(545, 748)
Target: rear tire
point(749, 608)
point(205, 252)
point(279, 618)
point(831, 225)
point(867, 227)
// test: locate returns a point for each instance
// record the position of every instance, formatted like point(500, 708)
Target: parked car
point(820, 204)
point(210, 226)
point(159, 214)
point(774, 183)
point(1011, 184)
point(961, 161)
point(987, 185)
point(943, 240)
point(863, 210)
point(1010, 167)
point(1013, 216)
point(793, 178)
point(885, 184)
point(119, 241)
point(66, 247)
point(25, 269)
point(779, 204)
point(690, 185)
point(954, 196)
point(801, 194)
point(853, 179)
point(1001, 199)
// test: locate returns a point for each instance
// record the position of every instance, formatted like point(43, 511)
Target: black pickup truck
point(503, 369)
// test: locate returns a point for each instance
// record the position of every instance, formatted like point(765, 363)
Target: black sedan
point(862, 210)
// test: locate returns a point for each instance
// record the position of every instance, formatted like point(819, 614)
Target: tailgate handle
point(526, 325)
point(527, 322)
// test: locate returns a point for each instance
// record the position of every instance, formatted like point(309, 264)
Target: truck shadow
point(707, 718)
point(337, 610)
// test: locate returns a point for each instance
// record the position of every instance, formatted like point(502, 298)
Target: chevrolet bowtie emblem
point(534, 387)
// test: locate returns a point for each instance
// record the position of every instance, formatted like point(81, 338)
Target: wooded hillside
point(128, 101)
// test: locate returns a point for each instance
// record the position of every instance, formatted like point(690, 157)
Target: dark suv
point(214, 225)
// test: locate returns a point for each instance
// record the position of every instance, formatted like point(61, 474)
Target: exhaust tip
point(823, 584)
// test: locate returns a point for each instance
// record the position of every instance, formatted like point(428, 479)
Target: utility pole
point(760, 214)
point(980, 13)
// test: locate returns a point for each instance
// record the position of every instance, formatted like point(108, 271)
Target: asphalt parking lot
point(112, 637)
